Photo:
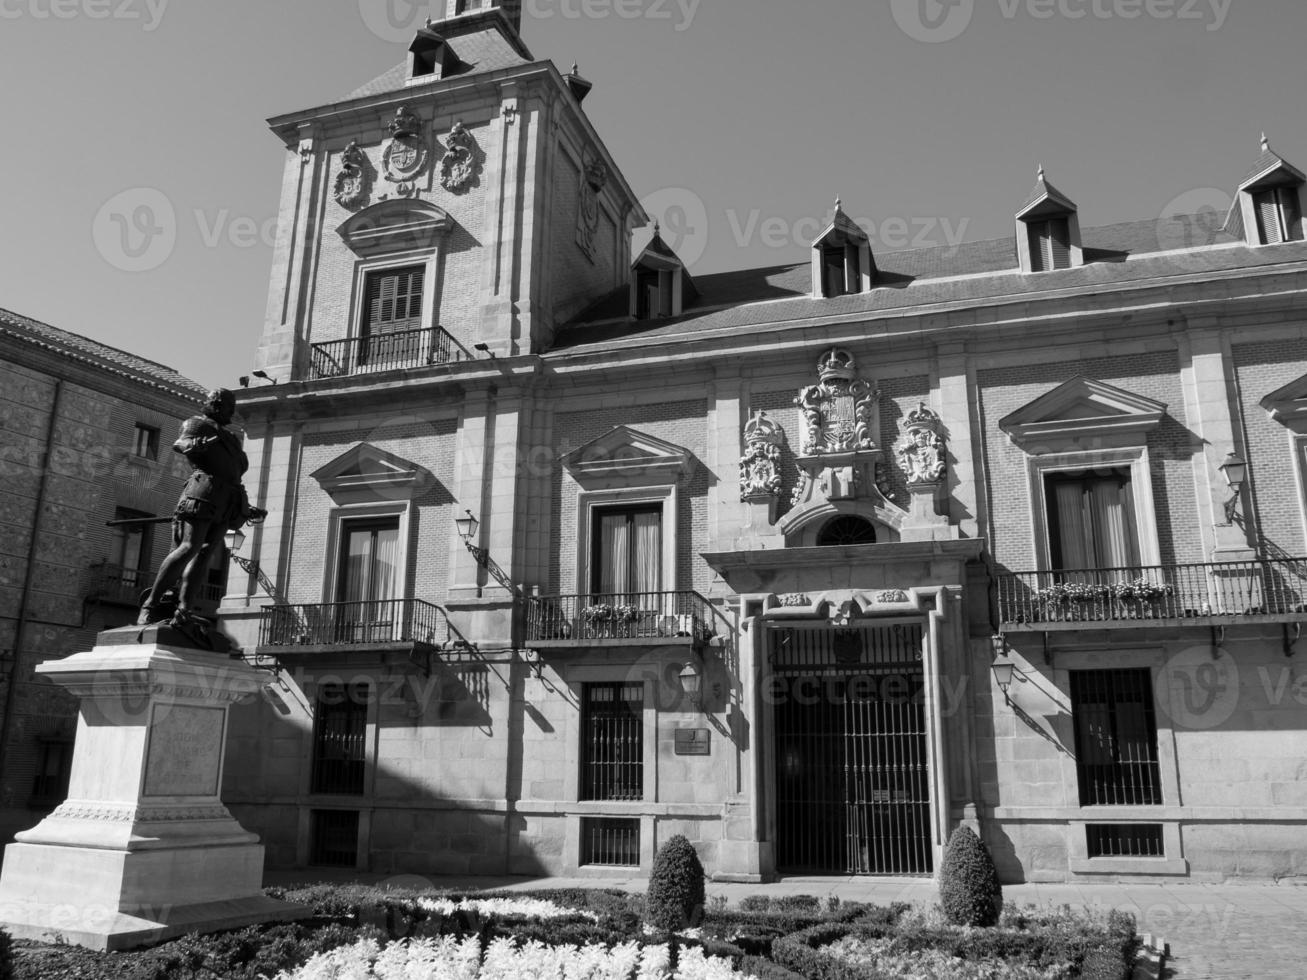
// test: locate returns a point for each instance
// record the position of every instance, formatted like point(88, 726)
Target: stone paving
point(1215, 932)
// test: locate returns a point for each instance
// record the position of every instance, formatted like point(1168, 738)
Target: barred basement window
point(610, 842)
point(1116, 738)
point(612, 733)
point(339, 744)
point(1050, 244)
point(1279, 215)
point(1124, 840)
point(335, 838)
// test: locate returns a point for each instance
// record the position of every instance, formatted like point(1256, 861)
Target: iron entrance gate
point(852, 780)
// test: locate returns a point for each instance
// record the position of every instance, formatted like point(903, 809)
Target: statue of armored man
point(212, 503)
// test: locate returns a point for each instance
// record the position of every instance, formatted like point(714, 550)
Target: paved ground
point(1216, 932)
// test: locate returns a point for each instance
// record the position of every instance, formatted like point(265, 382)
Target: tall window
point(1116, 738)
point(612, 733)
point(340, 739)
point(1050, 244)
point(392, 317)
point(1091, 520)
point(145, 442)
point(367, 582)
point(1279, 215)
point(628, 551)
point(130, 550)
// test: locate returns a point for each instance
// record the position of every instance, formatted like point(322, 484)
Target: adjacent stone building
point(570, 551)
point(85, 432)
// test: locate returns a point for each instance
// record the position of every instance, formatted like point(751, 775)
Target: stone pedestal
point(143, 849)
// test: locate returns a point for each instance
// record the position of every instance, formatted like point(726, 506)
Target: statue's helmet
point(221, 403)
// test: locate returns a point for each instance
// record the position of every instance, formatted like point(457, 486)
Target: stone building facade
point(85, 432)
point(570, 551)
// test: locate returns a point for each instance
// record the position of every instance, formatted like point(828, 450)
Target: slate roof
point(483, 50)
point(77, 347)
point(730, 302)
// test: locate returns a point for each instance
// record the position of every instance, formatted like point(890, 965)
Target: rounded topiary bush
point(675, 898)
point(968, 882)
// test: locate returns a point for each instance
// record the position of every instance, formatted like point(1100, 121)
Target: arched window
point(846, 530)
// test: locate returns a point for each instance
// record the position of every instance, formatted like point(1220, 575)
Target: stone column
point(143, 849)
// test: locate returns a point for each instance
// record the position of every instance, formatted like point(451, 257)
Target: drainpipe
point(11, 693)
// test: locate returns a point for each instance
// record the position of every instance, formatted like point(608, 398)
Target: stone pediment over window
point(1080, 410)
point(625, 457)
point(1288, 405)
point(395, 226)
point(366, 474)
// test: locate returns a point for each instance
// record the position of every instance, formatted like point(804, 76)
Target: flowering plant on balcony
point(627, 614)
point(1064, 592)
point(599, 613)
point(1140, 590)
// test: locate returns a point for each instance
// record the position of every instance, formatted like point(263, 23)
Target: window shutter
point(1059, 243)
point(394, 301)
point(852, 269)
point(665, 293)
point(1038, 232)
point(1292, 208)
point(1268, 217)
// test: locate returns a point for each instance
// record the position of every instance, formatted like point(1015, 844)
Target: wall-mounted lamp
point(235, 540)
point(1005, 672)
point(484, 349)
point(467, 527)
point(1235, 471)
point(691, 677)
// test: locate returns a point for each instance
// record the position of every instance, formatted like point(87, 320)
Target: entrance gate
point(852, 779)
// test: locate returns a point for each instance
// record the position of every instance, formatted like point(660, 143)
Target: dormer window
point(660, 284)
point(1268, 207)
point(842, 263)
point(432, 57)
point(1048, 230)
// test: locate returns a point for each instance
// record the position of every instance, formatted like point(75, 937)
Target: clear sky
point(740, 119)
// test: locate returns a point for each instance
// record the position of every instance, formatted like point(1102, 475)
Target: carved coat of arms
point(839, 412)
point(354, 182)
point(760, 469)
point(594, 178)
point(405, 156)
point(461, 164)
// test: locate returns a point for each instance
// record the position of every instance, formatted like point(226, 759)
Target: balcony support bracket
point(1292, 634)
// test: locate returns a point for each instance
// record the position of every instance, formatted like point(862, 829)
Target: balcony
point(384, 352)
point(116, 585)
point(405, 625)
point(626, 619)
point(1221, 594)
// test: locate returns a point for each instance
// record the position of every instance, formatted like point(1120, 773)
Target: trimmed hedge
point(969, 889)
point(676, 893)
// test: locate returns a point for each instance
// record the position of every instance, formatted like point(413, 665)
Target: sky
point(739, 122)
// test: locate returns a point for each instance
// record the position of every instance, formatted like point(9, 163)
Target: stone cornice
point(964, 550)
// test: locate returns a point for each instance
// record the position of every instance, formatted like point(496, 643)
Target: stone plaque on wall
point(693, 741)
point(185, 751)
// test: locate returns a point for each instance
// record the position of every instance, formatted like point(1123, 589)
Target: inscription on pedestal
point(185, 751)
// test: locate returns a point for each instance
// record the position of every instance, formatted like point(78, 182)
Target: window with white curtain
point(367, 579)
point(1091, 521)
point(628, 553)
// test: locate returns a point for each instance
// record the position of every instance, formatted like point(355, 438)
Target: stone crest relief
point(405, 156)
point(760, 466)
point(839, 412)
point(354, 182)
point(594, 178)
point(921, 451)
point(460, 167)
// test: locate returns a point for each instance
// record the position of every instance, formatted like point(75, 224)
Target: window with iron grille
point(1116, 738)
point(339, 739)
point(334, 841)
point(610, 841)
point(612, 733)
point(1124, 840)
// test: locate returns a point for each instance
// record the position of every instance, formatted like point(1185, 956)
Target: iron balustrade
point(387, 621)
point(382, 352)
point(620, 616)
point(117, 584)
point(1260, 587)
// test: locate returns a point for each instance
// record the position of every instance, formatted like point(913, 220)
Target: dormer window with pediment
point(1048, 230)
point(660, 284)
point(432, 57)
point(842, 262)
point(1268, 209)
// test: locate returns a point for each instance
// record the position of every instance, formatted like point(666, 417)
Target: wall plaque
point(693, 741)
point(185, 751)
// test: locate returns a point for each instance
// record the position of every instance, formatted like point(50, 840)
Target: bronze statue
point(212, 503)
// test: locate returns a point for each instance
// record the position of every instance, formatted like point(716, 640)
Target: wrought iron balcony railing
point(118, 585)
point(382, 352)
point(651, 616)
point(348, 624)
point(1190, 592)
